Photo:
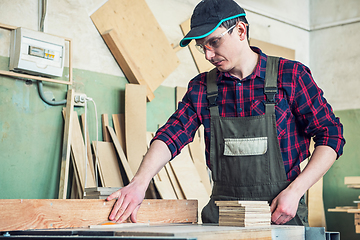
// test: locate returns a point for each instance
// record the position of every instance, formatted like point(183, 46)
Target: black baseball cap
point(208, 15)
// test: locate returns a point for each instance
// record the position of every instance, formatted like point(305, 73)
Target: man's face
point(223, 56)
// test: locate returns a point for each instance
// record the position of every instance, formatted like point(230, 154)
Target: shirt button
point(240, 109)
point(239, 83)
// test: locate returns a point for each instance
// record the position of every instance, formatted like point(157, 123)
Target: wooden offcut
point(137, 42)
point(202, 64)
point(244, 213)
point(22, 214)
point(105, 123)
point(121, 154)
point(188, 178)
point(135, 124)
point(108, 164)
point(119, 127)
point(65, 154)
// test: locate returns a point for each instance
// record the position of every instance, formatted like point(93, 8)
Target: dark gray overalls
point(245, 154)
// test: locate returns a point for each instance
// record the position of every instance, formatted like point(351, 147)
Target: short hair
point(229, 23)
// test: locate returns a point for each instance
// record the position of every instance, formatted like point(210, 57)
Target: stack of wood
point(117, 157)
point(351, 182)
point(98, 192)
point(244, 213)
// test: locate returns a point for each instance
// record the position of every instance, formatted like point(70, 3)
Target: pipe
point(42, 96)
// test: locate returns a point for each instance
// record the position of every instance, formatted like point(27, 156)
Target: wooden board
point(65, 154)
point(135, 124)
point(105, 123)
point(119, 126)
point(174, 182)
point(121, 154)
point(108, 164)
point(83, 168)
point(138, 43)
point(202, 64)
point(189, 179)
point(352, 180)
point(22, 214)
point(88, 146)
point(273, 49)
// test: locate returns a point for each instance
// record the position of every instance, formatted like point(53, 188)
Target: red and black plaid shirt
point(301, 111)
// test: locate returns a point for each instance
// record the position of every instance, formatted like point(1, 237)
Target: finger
point(116, 209)
point(273, 205)
point(133, 216)
point(114, 195)
point(121, 209)
point(128, 211)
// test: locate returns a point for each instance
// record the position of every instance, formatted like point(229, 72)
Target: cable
point(42, 96)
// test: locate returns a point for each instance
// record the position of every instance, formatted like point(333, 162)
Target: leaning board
point(137, 31)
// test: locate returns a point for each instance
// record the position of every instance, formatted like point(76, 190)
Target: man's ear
point(241, 28)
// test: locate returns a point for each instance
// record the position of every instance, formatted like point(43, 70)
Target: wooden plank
point(146, 47)
point(105, 123)
point(189, 178)
point(121, 154)
point(174, 182)
point(65, 154)
point(202, 64)
point(273, 49)
point(179, 94)
point(357, 229)
point(88, 147)
point(119, 126)
point(108, 164)
point(135, 124)
point(22, 214)
point(78, 150)
point(352, 180)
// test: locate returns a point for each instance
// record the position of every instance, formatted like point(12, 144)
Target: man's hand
point(128, 202)
point(284, 206)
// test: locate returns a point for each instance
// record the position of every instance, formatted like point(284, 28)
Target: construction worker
point(259, 114)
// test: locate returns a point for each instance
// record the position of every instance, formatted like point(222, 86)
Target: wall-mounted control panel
point(36, 53)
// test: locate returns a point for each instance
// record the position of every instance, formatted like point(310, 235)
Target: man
point(259, 113)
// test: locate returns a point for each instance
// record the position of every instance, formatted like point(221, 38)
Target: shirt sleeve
point(314, 113)
point(180, 128)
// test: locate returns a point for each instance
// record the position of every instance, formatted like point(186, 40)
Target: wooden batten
point(22, 214)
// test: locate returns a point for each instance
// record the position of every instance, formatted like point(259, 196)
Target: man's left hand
point(284, 206)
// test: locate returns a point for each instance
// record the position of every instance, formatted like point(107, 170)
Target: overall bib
point(245, 154)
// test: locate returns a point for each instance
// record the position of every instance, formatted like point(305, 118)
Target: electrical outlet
point(79, 99)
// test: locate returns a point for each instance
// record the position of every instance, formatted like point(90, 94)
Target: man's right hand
point(128, 202)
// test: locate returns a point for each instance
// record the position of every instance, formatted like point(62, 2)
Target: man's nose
point(209, 54)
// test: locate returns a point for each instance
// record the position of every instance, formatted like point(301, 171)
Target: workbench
point(176, 231)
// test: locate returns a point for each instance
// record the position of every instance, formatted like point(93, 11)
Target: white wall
point(335, 50)
point(72, 19)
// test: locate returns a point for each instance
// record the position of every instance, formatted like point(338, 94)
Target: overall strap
point(270, 88)
point(212, 92)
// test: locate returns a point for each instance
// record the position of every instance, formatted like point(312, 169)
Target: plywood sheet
point(105, 123)
point(88, 146)
point(189, 178)
point(135, 124)
point(121, 154)
point(202, 64)
point(174, 182)
point(22, 214)
point(273, 49)
point(108, 164)
point(138, 37)
point(119, 127)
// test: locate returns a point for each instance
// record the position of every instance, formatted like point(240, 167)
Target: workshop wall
point(334, 61)
point(31, 130)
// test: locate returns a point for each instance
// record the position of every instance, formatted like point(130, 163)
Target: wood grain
point(22, 214)
point(121, 154)
point(152, 57)
point(108, 164)
point(135, 124)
